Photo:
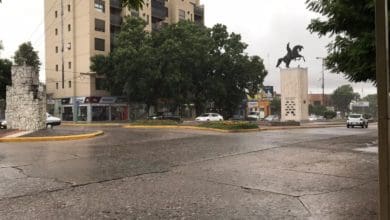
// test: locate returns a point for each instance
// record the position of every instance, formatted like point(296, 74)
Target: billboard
point(269, 92)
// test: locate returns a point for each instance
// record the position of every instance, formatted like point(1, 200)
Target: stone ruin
point(26, 100)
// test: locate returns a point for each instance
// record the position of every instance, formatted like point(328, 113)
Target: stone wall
point(26, 100)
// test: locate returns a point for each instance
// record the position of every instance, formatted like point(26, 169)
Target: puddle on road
point(371, 148)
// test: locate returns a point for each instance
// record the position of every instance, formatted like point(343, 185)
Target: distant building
point(76, 31)
point(316, 99)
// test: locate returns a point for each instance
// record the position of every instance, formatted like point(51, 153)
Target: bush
point(155, 122)
point(330, 114)
point(285, 123)
point(230, 125)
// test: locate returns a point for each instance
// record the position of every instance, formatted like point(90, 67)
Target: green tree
point(130, 69)
point(352, 26)
point(133, 4)
point(373, 101)
point(234, 74)
point(276, 106)
point(181, 64)
point(342, 97)
point(317, 110)
point(26, 55)
point(5, 76)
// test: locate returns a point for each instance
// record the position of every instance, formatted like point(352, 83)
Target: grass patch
point(155, 122)
point(230, 125)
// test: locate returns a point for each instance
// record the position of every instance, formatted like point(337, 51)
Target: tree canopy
point(183, 63)
point(343, 96)
point(133, 4)
point(352, 25)
point(5, 74)
point(26, 55)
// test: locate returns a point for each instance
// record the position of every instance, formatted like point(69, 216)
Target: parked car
point(313, 118)
point(3, 124)
point(254, 116)
point(50, 121)
point(210, 117)
point(165, 116)
point(270, 118)
point(357, 120)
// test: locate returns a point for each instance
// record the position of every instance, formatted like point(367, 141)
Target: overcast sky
point(266, 26)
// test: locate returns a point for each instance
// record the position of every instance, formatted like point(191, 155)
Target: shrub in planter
point(230, 125)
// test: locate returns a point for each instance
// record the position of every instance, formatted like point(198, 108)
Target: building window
point(99, 84)
point(69, 27)
point(55, 14)
point(69, 8)
point(99, 44)
point(70, 65)
point(70, 84)
point(56, 49)
point(56, 31)
point(57, 67)
point(100, 5)
point(182, 15)
point(57, 86)
point(100, 25)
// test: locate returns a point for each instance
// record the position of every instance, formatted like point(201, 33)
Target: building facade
point(76, 30)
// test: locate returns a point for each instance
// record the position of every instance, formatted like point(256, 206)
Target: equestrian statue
point(291, 55)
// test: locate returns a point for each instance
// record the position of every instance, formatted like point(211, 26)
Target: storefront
point(95, 109)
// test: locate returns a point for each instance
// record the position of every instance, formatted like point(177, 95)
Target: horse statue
point(291, 55)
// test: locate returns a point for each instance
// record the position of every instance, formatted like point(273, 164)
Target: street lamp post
point(323, 78)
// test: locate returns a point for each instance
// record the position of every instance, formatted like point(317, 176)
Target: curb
point(52, 138)
point(94, 125)
point(227, 131)
point(189, 127)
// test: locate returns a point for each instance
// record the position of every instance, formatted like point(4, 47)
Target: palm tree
point(132, 4)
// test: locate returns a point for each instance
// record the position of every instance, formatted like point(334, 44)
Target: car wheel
point(347, 125)
point(363, 125)
point(353, 126)
point(367, 125)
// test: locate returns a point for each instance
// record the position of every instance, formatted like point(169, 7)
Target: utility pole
point(323, 78)
point(382, 79)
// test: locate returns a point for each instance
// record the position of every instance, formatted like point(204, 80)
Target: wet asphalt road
point(170, 174)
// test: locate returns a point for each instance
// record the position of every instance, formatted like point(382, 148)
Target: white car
point(254, 115)
point(210, 117)
point(313, 118)
point(271, 118)
point(357, 120)
point(50, 121)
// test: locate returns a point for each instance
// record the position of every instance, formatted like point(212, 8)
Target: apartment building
point(76, 30)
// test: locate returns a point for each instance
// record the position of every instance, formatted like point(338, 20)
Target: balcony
point(159, 10)
point(199, 10)
point(158, 26)
point(115, 4)
point(116, 20)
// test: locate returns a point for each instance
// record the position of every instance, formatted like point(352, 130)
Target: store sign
point(269, 92)
point(361, 104)
point(107, 100)
point(65, 101)
point(121, 100)
point(79, 100)
point(92, 99)
point(253, 104)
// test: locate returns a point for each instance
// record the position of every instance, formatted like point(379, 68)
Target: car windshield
point(204, 115)
point(354, 116)
point(253, 113)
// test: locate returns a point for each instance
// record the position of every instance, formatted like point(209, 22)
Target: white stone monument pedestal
point(295, 99)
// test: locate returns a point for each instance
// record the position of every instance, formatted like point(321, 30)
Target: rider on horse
point(291, 55)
